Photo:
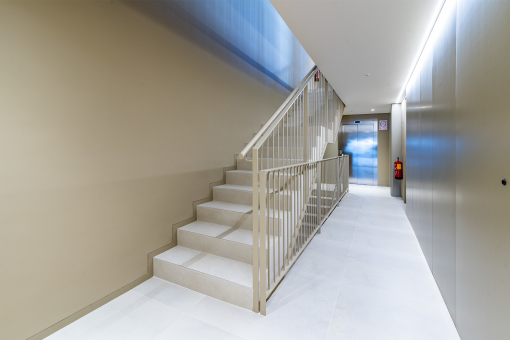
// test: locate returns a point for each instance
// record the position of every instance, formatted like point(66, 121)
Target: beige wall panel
point(111, 126)
point(383, 147)
point(443, 162)
point(431, 155)
point(404, 160)
point(425, 180)
point(483, 214)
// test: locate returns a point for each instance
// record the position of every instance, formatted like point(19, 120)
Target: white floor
point(363, 277)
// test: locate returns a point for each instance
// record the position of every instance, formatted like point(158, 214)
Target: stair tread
point(241, 171)
point(214, 230)
point(240, 236)
point(235, 187)
point(241, 187)
point(217, 266)
point(242, 208)
point(205, 228)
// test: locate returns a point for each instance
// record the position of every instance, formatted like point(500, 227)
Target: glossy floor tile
point(363, 277)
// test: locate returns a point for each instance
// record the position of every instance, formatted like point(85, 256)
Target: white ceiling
point(350, 38)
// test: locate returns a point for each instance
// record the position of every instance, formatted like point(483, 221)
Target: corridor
point(363, 277)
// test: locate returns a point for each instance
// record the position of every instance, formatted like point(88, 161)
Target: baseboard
point(150, 267)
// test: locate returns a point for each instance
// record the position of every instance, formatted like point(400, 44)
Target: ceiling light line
point(421, 51)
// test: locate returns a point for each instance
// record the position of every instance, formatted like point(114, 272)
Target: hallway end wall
point(383, 146)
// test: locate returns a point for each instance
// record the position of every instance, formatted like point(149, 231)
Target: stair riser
point(220, 289)
point(233, 196)
point(240, 178)
point(224, 248)
point(244, 164)
point(245, 197)
point(282, 153)
point(228, 218)
point(324, 193)
point(325, 201)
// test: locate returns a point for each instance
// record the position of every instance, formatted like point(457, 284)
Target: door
point(360, 143)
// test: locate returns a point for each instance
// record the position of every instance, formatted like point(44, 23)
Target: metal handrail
point(299, 164)
point(280, 112)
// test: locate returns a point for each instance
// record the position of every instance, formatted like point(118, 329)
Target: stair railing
point(291, 144)
point(291, 216)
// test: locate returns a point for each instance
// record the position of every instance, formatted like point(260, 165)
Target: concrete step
point(231, 193)
point(244, 164)
point(240, 177)
point(232, 214)
point(245, 178)
point(280, 152)
point(325, 201)
point(242, 194)
point(219, 277)
point(216, 239)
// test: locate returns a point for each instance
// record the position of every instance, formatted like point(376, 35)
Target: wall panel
point(430, 153)
point(457, 155)
point(483, 149)
point(425, 179)
point(443, 162)
point(413, 142)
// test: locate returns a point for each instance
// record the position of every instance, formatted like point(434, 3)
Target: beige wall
point(111, 126)
point(383, 147)
point(331, 150)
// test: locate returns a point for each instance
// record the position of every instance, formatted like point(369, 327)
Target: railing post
point(326, 112)
point(263, 245)
point(305, 124)
point(338, 189)
point(255, 217)
point(319, 189)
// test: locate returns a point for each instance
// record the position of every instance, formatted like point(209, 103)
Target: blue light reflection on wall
point(251, 35)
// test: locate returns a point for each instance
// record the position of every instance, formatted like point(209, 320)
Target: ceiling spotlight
point(367, 75)
point(372, 110)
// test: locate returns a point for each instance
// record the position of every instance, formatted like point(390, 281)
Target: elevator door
point(360, 143)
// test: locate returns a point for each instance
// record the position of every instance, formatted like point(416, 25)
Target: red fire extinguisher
point(317, 76)
point(398, 169)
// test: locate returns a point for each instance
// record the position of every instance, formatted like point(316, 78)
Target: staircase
point(215, 254)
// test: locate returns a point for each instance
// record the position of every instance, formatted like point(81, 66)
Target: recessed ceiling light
point(372, 110)
point(367, 75)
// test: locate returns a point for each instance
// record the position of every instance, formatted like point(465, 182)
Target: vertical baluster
point(255, 231)
point(262, 241)
point(285, 215)
point(280, 217)
point(262, 147)
point(278, 143)
point(268, 233)
point(274, 218)
point(338, 183)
